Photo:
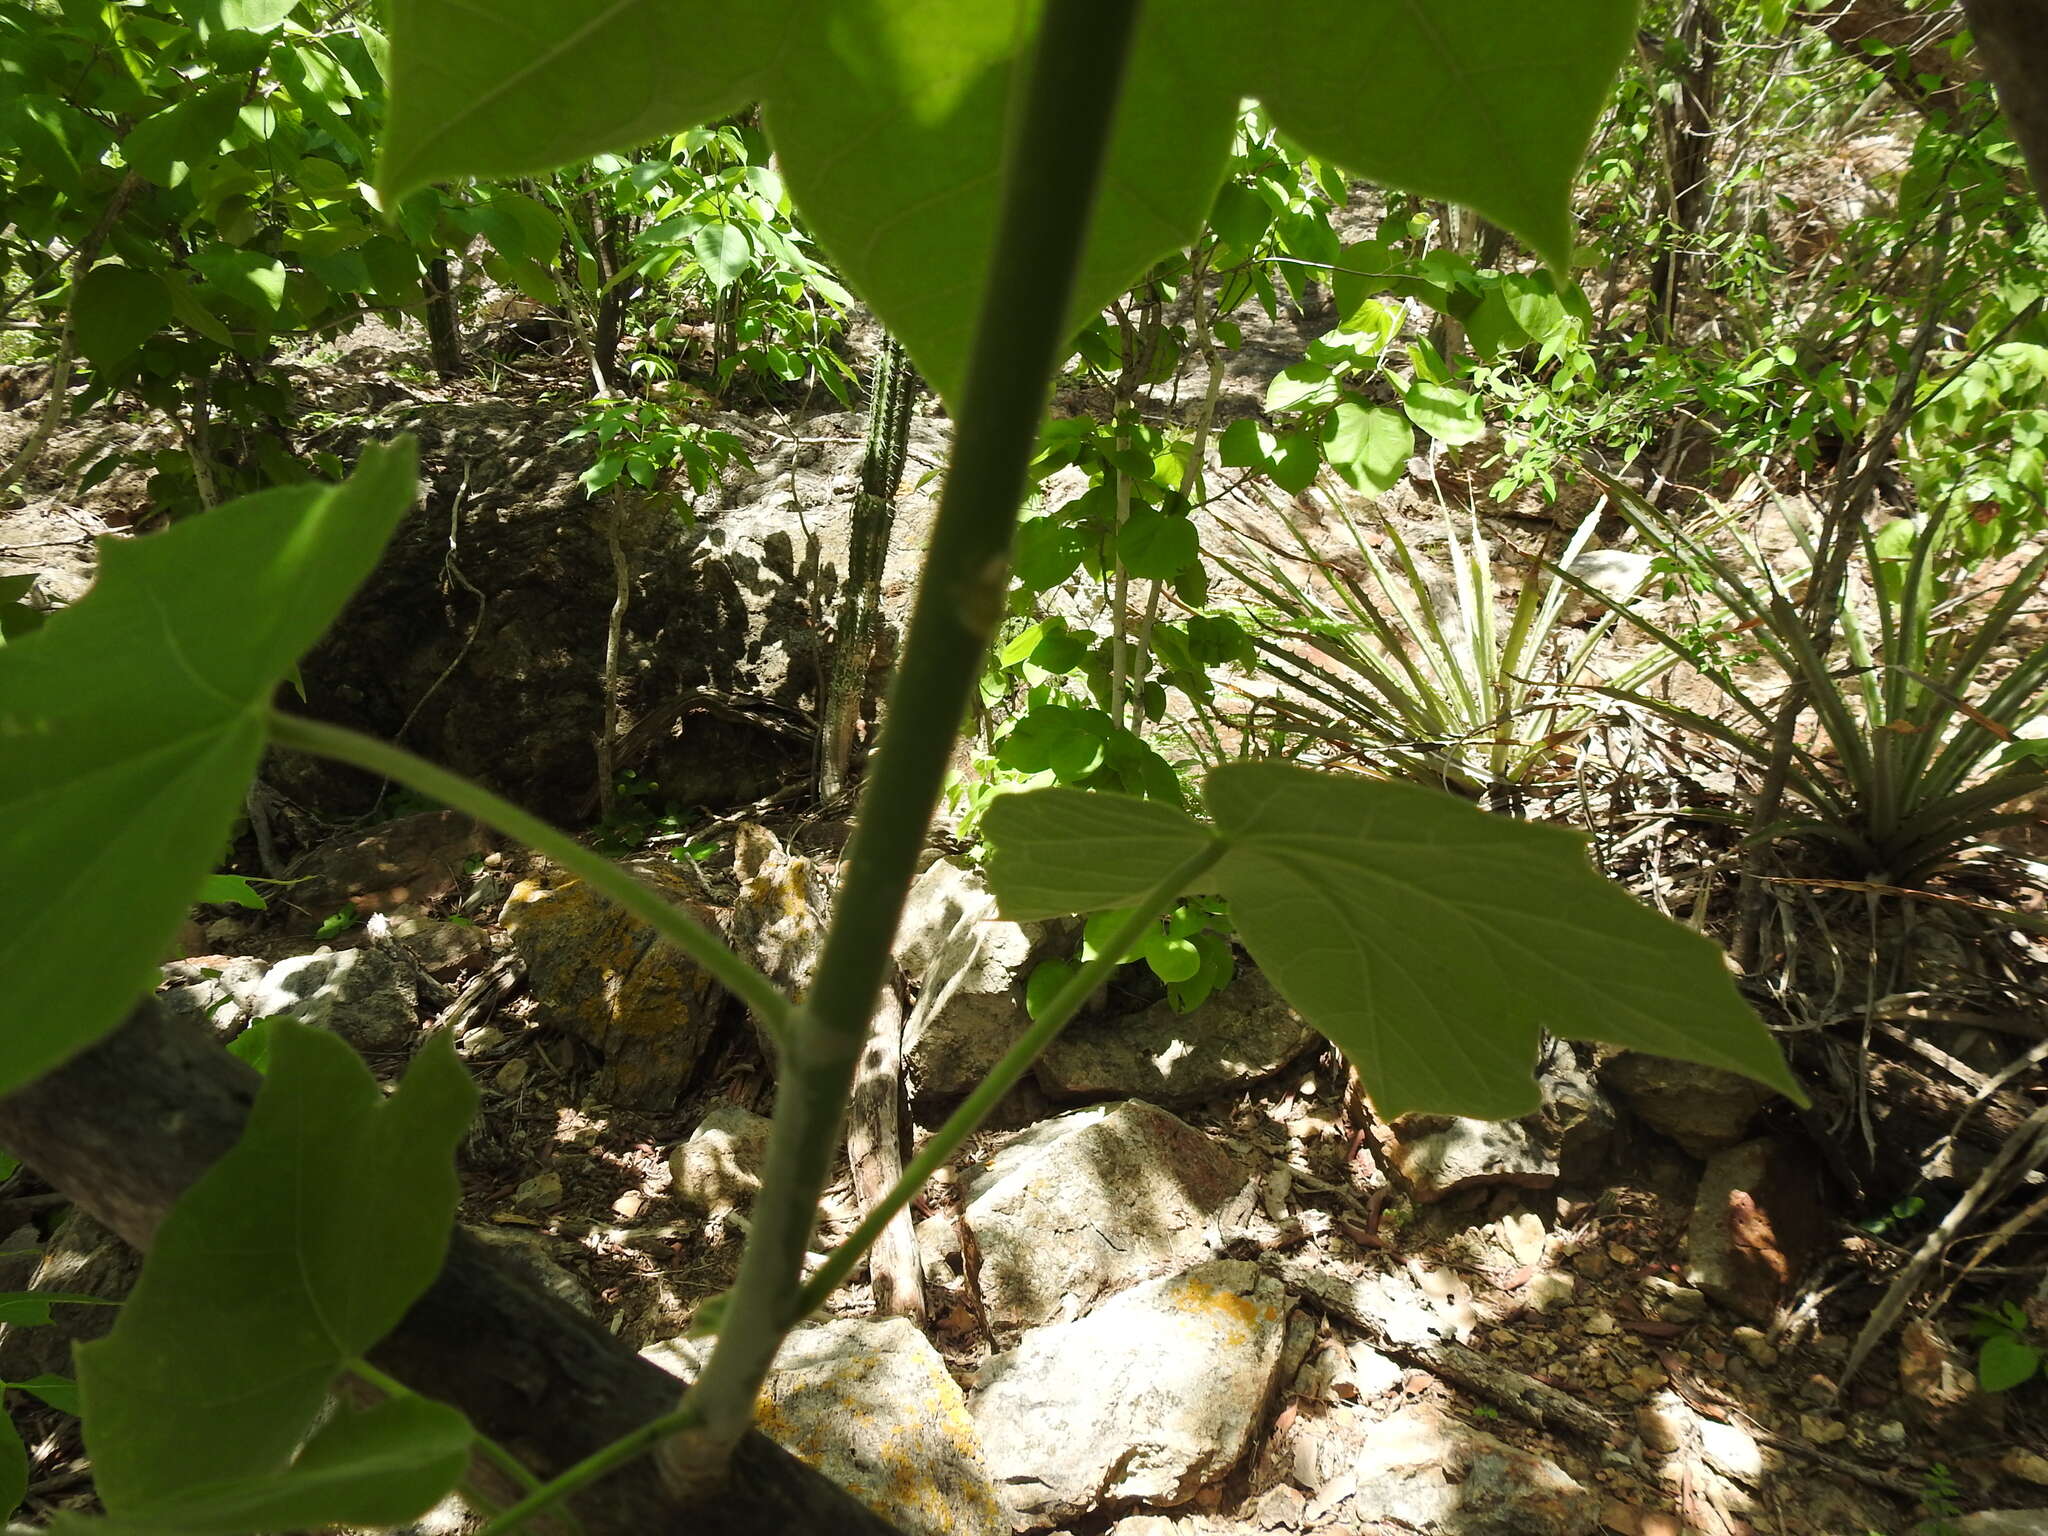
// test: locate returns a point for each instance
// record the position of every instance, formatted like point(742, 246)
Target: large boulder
point(972, 965)
point(1147, 1399)
point(606, 978)
point(1089, 1203)
point(869, 1403)
point(479, 641)
point(363, 995)
point(1241, 1034)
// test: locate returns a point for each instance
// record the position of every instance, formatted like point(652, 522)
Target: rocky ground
point(1184, 1282)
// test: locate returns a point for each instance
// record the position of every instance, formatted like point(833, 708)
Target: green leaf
point(213, 17)
point(1155, 545)
point(2006, 1361)
point(1445, 412)
point(380, 1467)
point(888, 132)
point(724, 253)
point(1432, 942)
point(1302, 386)
point(1171, 959)
point(231, 890)
point(290, 1257)
point(31, 1309)
point(1047, 977)
point(247, 277)
point(59, 1392)
point(1368, 446)
point(13, 1466)
point(1058, 851)
point(115, 310)
point(131, 723)
point(165, 147)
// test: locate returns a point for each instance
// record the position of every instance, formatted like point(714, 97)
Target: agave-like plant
point(1917, 744)
point(1429, 679)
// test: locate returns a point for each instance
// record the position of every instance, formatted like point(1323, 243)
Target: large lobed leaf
point(1432, 942)
point(129, 726)
point(290, 1258)
point(887, 115)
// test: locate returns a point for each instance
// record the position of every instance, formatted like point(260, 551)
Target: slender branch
point(1003, 1076)
point(299, 734)
point(1063, 106)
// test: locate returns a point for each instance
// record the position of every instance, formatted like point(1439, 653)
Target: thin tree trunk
point(891, 398)
point(444, 331)
point(57, 402)
point(1687, 125)
point(874, 1150)
point(2012, 40)
point(126, 1126)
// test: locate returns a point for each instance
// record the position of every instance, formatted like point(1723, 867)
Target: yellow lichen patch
point(1245, 1315)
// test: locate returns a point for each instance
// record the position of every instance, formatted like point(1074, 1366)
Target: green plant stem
point(516, 1471)
point(1063, 107)
point(670, 921)
point(1003, 1076)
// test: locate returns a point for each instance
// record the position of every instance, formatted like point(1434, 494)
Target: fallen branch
point(126, 1126)
point(1519, 1396)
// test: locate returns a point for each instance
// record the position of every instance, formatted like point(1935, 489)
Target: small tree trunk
point(444, 331)
point(1687, 125)
point(893, 394)
point(126, 1126)
point(874, 1151)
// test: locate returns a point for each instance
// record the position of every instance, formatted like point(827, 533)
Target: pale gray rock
point(1571, 1137)
point(1704, 1109)
point(217, 991)
point(1145, 1400)
point(1423, 1470)
point(362, 995)
point(870, 1404)
point(1990, 1522)
point(1618, 575)
point(1088, 1203)
point(974, 966)
point(1241, 1034)
point(719, 1167)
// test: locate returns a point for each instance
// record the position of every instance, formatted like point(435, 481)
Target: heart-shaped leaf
point(129, 726)
point(1434, 943)
point(888, 118)
point(289, 1258)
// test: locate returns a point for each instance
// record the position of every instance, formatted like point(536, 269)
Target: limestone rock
point(1087, 1203)
point(870, 1404)
point(719, 1167)
point(1146, 1399)
point(1241, 1034)
point(443, 948)
point(971, 1008)
point(603, 976)
point(1571, 1136)
point(1423, 1470)
point(529, 1251)
point(1757, 1222)
point(1704, 1109)
point(362, 995)
point(84, 1259)
point(216, 991)
point(1990, 1522)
